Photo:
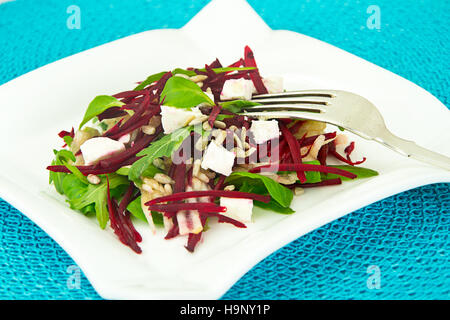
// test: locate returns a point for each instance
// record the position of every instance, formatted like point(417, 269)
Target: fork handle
point(410, 149)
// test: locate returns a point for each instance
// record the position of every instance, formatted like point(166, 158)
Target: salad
point(177, 153)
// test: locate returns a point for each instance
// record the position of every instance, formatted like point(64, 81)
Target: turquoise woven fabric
point(404, 236)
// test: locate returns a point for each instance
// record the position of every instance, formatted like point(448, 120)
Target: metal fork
point(344, 109)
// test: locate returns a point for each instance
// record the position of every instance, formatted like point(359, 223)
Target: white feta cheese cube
point(100, 148)
point(238, 209)
point(273, 84)
point(218, 159)
point(237, 89)
point(173, 118)
point(264, 130)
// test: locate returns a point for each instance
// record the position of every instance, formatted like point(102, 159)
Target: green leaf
point(98, 105)
point(274, 206)
point(360, 172)
point(150, 80)
point(183, 93)
point(73, 188)
point(236, 106)
point(57, 178)
point(151, 171)
point(279, 193)
point(123, 171)
point(97, 194)
point(189, 73)
point(136, 210)
point(76, 172)
point(163, 147)
point(261, 189)
point(68, 140)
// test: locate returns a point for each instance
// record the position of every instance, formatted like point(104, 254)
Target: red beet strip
point(307, 167)
point(129, 94)
point(210, 193)
point(110, 113)
point(194, 238)
point(295, 150)
point(334, 153)
point(130, 152)
point(119, 224)
point(249, 61)
point(213, 115)
point(64, 133)
point(310, 140)
point(294, 128)
point(175, 207)
point(142, 122)
point(226, 219)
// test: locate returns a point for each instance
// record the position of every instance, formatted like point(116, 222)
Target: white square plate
point(41, 103)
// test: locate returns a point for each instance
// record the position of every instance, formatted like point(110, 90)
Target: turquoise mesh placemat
point(404, 237)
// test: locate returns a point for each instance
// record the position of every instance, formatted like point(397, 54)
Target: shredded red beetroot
point(249, 61)
point(226, 219)
point(294, 128)
point(210, 193)
point(120, 225)
point(295, 150)
point(174, 231)
point(138, 145)
point(64, 133)
point(115, 162)
point(307, 167)
point(214, 81)
point(330, 182)
point(322, 155)
point(220, 182)
point(194, 238)
point(142, 122)
point(310, 140)
point(213, 115)
point(238, 75)
point(348, 150)
point(129, 94)
point(94, 169)
point(110, 113)
point(237, 64)
point(171, 209)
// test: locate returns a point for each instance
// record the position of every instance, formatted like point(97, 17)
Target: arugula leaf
point(96, 194)
point(236, 106)
point(189, 73)
point(68, 140)
point(360, 172)
point(279, 193)
point(271, 205)
point(76, 172)
point(57, 178)
point(163, 147)
point(150, 80)
point(136, 210)
point(183, 93)
point(98, 105)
